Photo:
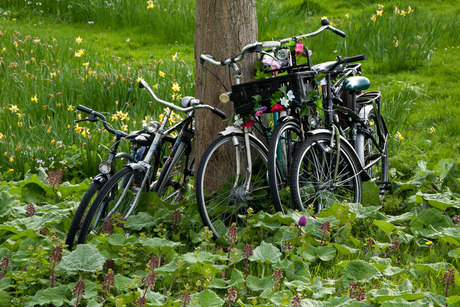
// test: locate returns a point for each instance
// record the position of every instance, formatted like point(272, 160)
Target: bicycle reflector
point(105, 167)
point(225, 97)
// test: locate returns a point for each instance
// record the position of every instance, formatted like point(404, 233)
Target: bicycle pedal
point(385, 187)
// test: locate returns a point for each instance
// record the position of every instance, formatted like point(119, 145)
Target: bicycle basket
point(242, 94)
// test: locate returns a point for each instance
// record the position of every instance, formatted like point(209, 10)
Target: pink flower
point(276, 108)
point(260, 111)
point(249, 124)
point(302, 221)
point(271, 62)
point(298, 48)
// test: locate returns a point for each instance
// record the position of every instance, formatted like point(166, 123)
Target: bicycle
point(233, 172)
point(121, 195)
point(332, 161)
point(139, 139)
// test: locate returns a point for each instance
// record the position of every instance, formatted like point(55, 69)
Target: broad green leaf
point(455, 253)
point(281, 298)
point(431, 267)
point(326, 253)
point(440, 201)
point(344, 300)
point(266, 253)
point(371, 194)
point(395, 219)
point(123, 283)
point(344, 249)
point(159, 245)
point(55, 296)
point(402, 302)
point(207, 298)
point(319, 291)
point(385, 226)
point(363, 212)
point(5, 283)
point(391, 271)
point(35, 222)
point(454, 299)
point(360, 271)
point(434, 299)
point(314, 303)
point(382, 295)
point(7, 202)
point(118, 239)
point(155, 298)
point(431, 218)
point(298, 285)
point(140, 221)
point(298, 270)
point(86, 258)
point(257, 284)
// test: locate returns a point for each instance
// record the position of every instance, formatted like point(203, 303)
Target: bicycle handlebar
point(196, 104)
point(259, 46)
point(93, 115)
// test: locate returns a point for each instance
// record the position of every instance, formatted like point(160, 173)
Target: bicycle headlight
point(152, 126)
point(105, 167)
point(225, 97)
point(312, 122)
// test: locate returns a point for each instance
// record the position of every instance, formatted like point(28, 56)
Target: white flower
point(290, 95)
point(284, 102)
point(238, 121)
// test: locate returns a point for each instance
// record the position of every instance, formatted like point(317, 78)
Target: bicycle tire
point(220, 193)
point(312, 173)
point(80, 214)
point(286, 137)
point(176, 174)
point(121, 187)
point(380, 170)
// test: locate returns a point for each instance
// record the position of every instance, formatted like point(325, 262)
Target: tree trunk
point(222, 28)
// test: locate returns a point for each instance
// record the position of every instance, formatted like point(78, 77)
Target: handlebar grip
point(337, 31)
point(84, 109)
point(271, 44)
point(355, 58)
point(219, 113)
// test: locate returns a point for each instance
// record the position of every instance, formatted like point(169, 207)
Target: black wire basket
point(242, 94)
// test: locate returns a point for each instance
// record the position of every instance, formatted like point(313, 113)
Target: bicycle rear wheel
point(286, 137)
point(224, 187)
point(80, 214)
point(322, 175)
point(116, 198)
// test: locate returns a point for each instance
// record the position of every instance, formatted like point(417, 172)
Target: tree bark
point(222, 28)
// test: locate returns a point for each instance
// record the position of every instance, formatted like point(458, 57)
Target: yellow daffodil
point(11, 169)
point(124, 128)
point(429, 243)
point(324, 17)
point(374, 18)
point(36, 41)
point(14, 108)
point(396, 10)
point(52, 142)
point(403, 13)
point(81, 51)
point(70, 108)
point(150, 4)
point(5, 153)
point(86, 64)
point(432, 130)
point(399, 136)
point(77, 54)
point(175, 87)
point(379, 13)
point(11, 159)
point(139, 79)
point(162, 74)
point(155, 86)
point(2, 136)
point(34, 98)
point(347, 15)
point(410, 10)
point(174, 57)
point(78, 40)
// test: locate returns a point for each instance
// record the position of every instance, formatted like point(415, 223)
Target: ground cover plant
point(401, 251)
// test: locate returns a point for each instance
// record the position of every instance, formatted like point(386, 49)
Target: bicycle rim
point(321, 175)
point(113, 203)
point(222, 180)
point(286, 137)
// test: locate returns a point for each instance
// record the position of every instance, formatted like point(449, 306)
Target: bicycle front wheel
point(117, 199)
point(225, 188)
point(323, 174)
point(80, 214)
point(286, 137)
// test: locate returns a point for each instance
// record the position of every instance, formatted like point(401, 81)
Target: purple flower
point(260, 111)
point(303, 221)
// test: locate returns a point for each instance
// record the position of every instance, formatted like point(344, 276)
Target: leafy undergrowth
point(403, 251)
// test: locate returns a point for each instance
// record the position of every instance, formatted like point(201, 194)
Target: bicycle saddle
point(357, 83)
point(326, 66)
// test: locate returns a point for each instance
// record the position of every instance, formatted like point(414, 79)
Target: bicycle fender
point(344, 142)
point(135, 166)
point(231, 130)
point(101, 178)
